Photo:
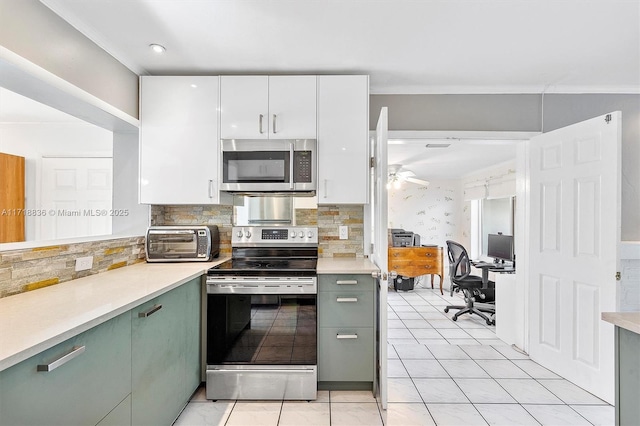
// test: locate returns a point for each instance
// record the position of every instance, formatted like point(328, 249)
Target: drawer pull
point(75, 351)
point(347, 282)
point(346, 299)
point(150, 312)
point(346, 336)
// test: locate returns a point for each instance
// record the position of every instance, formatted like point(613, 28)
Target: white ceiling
point(406, 46)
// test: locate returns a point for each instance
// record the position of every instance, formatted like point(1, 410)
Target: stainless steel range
point(261, 338)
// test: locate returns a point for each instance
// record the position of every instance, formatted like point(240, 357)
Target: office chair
point(471, 285)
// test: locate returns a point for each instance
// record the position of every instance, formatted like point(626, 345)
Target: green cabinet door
point(88, 376)
point(192, 337)
point(157, 333)
point(345, 354)
point(165, 355)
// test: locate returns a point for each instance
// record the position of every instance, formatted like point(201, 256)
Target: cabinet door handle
point(346, 299)
point(347, 282)
point(325, 188)
point(210, 188)
point(149, 312)
point(346, 336)
point(274, 124)
point(75, 351)
point(260, 124)
point(291, 157)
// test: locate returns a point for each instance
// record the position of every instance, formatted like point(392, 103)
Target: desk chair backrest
point(459, 263)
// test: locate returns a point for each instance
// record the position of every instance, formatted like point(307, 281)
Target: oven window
point(261, 329)
point(256, 166)
point(172, 244)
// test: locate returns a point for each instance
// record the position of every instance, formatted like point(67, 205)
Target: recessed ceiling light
point(158, 48)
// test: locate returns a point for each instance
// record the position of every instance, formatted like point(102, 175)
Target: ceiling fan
point(398, 174)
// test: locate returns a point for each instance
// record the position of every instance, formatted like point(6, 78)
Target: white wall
point(434, 212)
point(35, 140)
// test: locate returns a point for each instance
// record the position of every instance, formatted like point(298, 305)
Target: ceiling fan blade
point(417, 181)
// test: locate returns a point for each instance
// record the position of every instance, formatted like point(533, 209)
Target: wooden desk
point(416, 261)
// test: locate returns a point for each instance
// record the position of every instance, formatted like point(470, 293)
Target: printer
point(402, 238)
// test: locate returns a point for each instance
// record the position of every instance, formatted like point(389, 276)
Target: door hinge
point(618, 276)
point(607, 118)
point(372, 162)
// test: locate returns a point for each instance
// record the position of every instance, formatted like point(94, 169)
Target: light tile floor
point(440, 372)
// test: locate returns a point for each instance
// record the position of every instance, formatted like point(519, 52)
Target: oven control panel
point(274, 235)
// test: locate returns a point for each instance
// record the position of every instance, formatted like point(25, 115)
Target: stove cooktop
point(265, 267)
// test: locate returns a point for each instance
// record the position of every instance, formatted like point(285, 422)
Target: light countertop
point(627, 320)
point(345, 266)
point(34, 321)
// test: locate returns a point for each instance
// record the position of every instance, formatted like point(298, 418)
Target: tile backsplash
point(326, 218)
point(30, 269)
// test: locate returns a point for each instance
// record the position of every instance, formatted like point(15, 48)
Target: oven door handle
point(266, 370)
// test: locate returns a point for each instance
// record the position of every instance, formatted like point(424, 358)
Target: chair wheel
point(489, 322)
point(455, 318)
point(446, 310)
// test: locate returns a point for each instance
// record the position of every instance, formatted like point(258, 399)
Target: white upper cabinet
point(343, 139)
point(179, 140)
point(268, 107)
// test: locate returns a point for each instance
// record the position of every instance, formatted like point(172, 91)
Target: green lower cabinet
point(165, 355)
point(88, 376)
point(192, 336)
point(345, 354)
point(627, 377)
point(119, 416)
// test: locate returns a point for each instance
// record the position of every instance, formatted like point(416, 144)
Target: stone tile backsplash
point(31, 269)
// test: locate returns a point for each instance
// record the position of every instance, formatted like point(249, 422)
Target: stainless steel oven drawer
point(262, 382)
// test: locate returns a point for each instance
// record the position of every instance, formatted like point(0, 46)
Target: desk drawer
point(415, 253)
point(413, 268)
point(337, 309)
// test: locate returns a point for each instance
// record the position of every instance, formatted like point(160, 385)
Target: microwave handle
point(291, 161)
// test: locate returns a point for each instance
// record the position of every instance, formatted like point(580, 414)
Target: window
point(489, 216)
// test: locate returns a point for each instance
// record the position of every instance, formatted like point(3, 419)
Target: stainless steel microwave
point(182, 243)
point(285, 165)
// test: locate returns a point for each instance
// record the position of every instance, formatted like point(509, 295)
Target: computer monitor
point(500, 247)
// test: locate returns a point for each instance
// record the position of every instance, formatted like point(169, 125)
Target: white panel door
point(292, 107)
point(75, 198)
point(244, 107)
point(179, 140)
point(343, 139)
point(574, 234)
point(379, 254)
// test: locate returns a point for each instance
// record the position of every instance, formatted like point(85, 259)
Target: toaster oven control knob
point(293, 234)
point(239, 234)
point(301, 234)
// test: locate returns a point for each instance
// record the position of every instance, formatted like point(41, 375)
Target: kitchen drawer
point(337, 309)
point(345, 354)
point(345, 282)
point(82, 390)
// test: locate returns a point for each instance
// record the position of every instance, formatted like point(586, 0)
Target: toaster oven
point(182, 243)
